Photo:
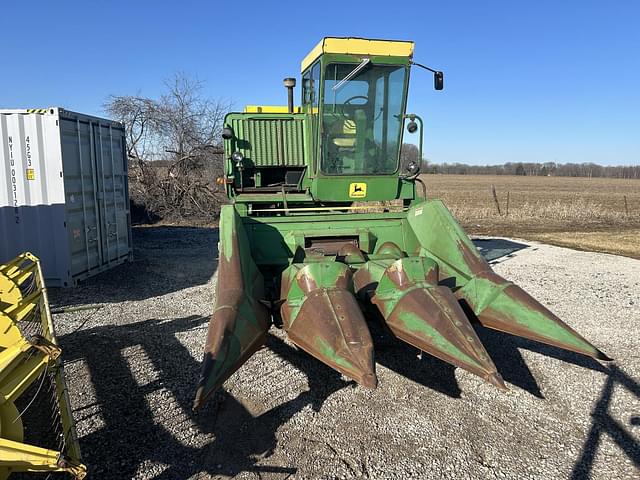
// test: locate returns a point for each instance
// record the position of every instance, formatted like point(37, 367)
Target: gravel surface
point(132, 365)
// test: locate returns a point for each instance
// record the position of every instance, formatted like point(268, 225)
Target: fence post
point(495, 199)
point(626, 206)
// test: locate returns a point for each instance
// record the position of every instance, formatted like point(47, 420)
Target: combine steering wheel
point(351, 99)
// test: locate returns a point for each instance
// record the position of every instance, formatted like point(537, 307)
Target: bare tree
point(137, 113)
point(174, 145)
point(410, 152)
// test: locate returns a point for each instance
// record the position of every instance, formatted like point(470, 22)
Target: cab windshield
point(362, 118)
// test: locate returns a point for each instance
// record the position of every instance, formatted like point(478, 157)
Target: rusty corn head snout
point(420, 312)
point(322, 317)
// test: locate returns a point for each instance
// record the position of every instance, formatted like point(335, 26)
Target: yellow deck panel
point(270, 109)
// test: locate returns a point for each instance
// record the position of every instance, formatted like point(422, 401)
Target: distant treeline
point(537, 169)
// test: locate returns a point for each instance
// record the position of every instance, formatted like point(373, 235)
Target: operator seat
point(347, 140)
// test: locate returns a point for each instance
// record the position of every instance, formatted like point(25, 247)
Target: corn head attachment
point(31, 377)
point(326, 232)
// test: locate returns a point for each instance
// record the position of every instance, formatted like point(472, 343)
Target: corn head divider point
point(325, 224)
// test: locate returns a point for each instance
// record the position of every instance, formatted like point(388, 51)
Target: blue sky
point(524, 81)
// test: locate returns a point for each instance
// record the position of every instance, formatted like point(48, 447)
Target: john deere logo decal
point(357, 190)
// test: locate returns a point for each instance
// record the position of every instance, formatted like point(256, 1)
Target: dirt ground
point(132, 366)
point(593, 214)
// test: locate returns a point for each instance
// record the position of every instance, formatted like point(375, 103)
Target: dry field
point(581, 213)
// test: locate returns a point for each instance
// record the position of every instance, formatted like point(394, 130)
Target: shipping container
point(64, 192)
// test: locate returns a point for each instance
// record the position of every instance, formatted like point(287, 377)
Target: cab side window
point(306, 89)
point(314, 101)
point(315, 85)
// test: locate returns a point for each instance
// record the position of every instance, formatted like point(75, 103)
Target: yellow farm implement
point(30, 367)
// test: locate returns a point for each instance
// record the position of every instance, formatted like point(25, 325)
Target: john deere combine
point(325, 224)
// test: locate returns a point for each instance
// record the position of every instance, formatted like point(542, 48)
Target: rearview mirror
point(438, 76)
point(438, 80)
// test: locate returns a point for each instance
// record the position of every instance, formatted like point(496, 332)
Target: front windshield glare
point(362, 118)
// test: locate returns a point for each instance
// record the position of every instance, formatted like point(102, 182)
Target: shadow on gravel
point(493, 249)
point(131, 433)
point(604, 424)
point(405, 360)
point(165, 259)
point(149, 424)
point(503, 349)
point(323, 380)
point(243, 439)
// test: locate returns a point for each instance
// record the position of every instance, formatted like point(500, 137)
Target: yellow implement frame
point(29, 352)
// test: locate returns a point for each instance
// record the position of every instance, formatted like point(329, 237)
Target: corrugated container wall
point(64, 192)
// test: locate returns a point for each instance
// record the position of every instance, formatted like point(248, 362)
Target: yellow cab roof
point(358, 46)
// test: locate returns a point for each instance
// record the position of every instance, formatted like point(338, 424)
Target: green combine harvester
point(325, 224)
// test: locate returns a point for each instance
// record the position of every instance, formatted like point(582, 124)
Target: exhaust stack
point(289, 83)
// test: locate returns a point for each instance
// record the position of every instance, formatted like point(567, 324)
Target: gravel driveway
point(132, 366)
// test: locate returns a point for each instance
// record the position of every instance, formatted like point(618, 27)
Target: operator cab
point(362, 115)
point(341, 145)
